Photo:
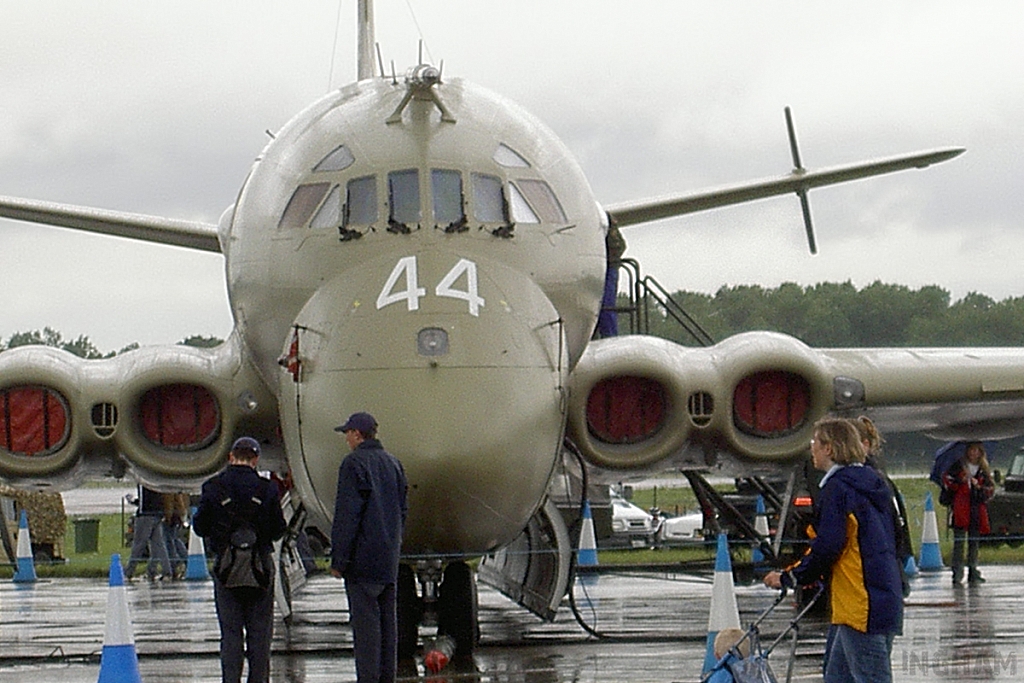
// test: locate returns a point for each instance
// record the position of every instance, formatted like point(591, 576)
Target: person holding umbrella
point(969, 479)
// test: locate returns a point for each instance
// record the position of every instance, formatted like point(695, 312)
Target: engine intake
point(636, 401)
point(165, 413)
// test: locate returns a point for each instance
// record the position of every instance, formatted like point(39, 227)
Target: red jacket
point(969, 500)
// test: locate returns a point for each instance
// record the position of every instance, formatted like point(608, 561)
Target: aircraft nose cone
point(467, 389)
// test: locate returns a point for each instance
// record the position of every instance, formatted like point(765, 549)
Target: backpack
point(946, 496)
point(239, 564)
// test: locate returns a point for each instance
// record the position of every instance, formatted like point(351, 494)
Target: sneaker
point(975, 577)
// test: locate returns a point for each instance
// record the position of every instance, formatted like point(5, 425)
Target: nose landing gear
point(449, 600)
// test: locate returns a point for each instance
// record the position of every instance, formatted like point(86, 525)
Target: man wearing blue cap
point(366, 542)
point(239, 497)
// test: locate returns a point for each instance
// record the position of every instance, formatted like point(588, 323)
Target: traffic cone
point(724, 612)
point(119, 663)
point(586, 555)
point(26, 572)
point(196, 569)
point(761, 527)
point(910, 569)
point(931, 558)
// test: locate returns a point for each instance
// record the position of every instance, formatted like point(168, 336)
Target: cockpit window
point(509, 158)
point(521, 211)
point(303, 203)
point(404, 198)
point(329, 215)
point(543, 200)
point(488, 202)
point(361, 201)
point(447, 190)
point(338, 160)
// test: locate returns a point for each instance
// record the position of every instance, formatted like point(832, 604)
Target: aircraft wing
point(190, 234)
point(166, 414)
point(640, 402)
point(643, 211)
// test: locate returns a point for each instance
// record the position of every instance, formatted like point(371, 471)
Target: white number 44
point(446, 287)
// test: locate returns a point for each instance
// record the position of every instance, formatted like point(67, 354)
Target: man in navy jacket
point(366, 542)
point(242, 609)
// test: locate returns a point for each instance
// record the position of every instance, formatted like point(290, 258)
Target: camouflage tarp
point(47, 521)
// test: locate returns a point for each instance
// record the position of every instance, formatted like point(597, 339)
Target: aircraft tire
point(410, 612)
point(457, 608)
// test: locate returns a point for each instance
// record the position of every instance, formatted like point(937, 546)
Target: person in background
point(615, 247)
point(872, 441)
point(148, 537)
point(175, 514)
point(970, 480)
point(855, 552)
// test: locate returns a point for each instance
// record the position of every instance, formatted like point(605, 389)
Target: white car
point(688, 528)
point(632, 526)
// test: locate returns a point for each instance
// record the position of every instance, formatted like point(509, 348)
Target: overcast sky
point(160, 108)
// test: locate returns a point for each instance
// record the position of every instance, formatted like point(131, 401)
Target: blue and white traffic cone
point(119, 663)
point(586, 554)
point(724, 612)
point(26, 572)
point(195, 568)
point(761, 527)
point(931, 557)
point(910, 569)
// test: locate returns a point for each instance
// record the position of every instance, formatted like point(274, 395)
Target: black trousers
point(246, 631)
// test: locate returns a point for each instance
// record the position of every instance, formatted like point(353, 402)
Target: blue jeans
point(373, 611)
point(149, 533)
point(858, 657)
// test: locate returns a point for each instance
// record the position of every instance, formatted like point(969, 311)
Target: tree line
point(82, 346)
point(822, 315)
point(840, 315)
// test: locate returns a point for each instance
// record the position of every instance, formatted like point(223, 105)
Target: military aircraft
point(426, 250)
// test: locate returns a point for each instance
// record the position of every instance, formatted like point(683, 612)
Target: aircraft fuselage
point(441, 265)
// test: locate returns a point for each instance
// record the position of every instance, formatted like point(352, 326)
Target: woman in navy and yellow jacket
point(855, 552)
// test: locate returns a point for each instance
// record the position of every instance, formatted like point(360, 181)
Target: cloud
point(162, 109)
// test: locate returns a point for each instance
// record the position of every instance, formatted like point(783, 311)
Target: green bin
point(87, 535)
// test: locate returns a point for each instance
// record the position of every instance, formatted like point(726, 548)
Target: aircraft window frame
point(360, 206)
point(305, 200)
point(338, 159)
point(448, 196)
point(329, 214)
point(405, 207)
point(543, 199)
point(520, 208)
point(489, 202)
point(509, 158)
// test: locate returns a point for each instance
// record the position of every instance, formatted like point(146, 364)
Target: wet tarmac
point(652, 628)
